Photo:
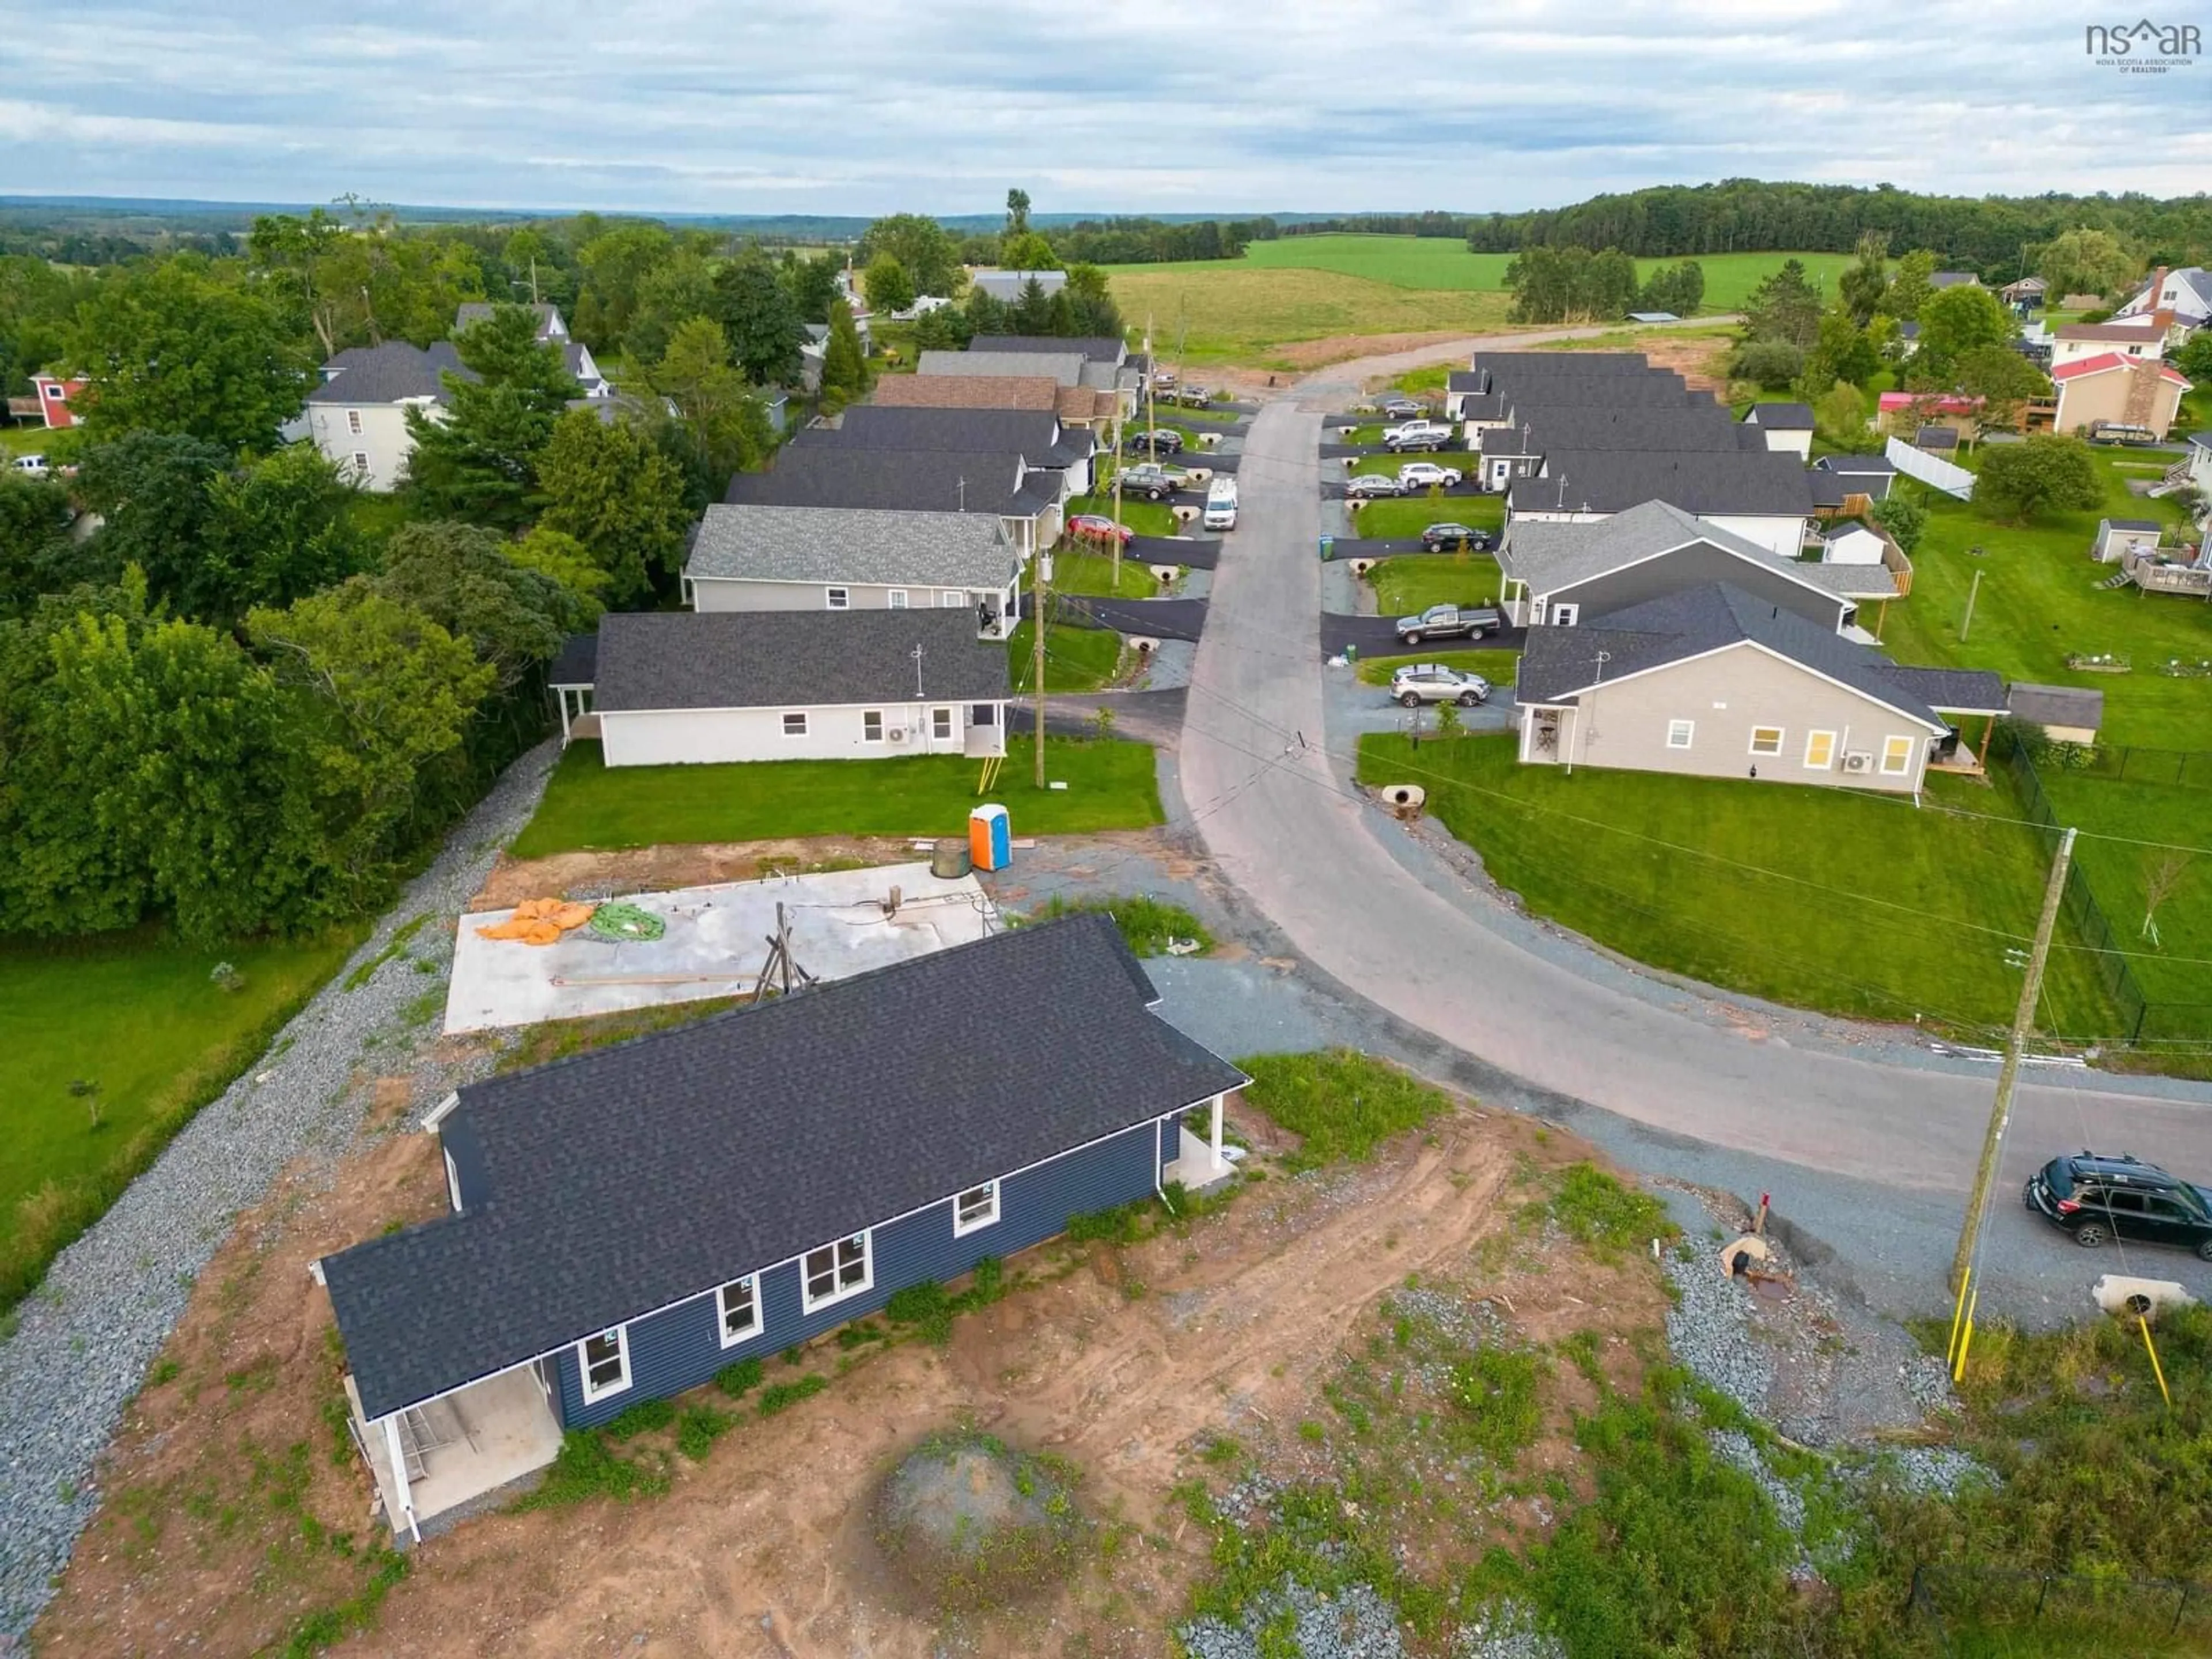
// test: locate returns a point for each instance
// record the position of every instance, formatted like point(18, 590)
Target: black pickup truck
point(1450, 622)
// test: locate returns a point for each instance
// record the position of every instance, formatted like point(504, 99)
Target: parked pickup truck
point(1420, 434)
point(1450, 622)
point(1154, 483)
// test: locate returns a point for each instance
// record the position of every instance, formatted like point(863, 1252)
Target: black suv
point(2094, 1197)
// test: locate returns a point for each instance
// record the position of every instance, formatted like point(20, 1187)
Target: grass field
point(1313, 288)
point(1093, 574)
point(1498, 666)
point(1385, 520)
point(1109, 787)
point(1405, 586)
point(1075, 659)
point(144, 1021)
point(1145, 518)
point(1904, 932)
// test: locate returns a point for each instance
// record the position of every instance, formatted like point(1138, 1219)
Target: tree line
point(1992, 236)
point(1574, 285)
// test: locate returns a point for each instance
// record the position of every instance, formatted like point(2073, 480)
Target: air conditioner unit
point(896, 734)
point(1859, 760)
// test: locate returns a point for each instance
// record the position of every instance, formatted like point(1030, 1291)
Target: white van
point(1221, 504)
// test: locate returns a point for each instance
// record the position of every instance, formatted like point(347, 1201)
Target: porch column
point(398, 1457)
point(1217, 1131)
point(562, 692)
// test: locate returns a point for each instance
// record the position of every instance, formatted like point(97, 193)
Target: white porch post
point(398, 1457)
point(1217, 1131)
point(563, 693)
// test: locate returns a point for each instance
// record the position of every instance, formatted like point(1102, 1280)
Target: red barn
point(54, 395)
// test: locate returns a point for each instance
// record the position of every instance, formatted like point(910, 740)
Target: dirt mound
point(970, 1522)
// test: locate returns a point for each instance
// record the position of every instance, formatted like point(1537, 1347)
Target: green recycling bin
point(1327, 546)
point(1351, 653)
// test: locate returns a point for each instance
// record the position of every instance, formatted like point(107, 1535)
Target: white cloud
point(734, 105)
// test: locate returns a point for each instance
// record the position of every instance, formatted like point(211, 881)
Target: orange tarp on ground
point(540, 921)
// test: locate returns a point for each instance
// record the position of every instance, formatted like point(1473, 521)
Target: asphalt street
point(1394, 920)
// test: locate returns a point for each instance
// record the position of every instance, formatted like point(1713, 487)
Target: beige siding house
point(2118, 391)
point(1714, 682)
point(358, 417)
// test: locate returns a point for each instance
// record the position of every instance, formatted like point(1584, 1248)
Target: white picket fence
point(1931, 470)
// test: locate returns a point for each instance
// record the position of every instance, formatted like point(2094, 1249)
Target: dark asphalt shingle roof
point(1828, 488)
point(1936, 437)
point(1036, 435)
point(472, 311)
point(2133, 523)
point(1098, 348)
point(848, 545)
point(2056, 705)
point(911, 480)
point(389, 372)
point(1604, 425)
point(652, 659)
point(1855, 463)
point(623, 1180)
point(1781, 417)
point(576, 663)
point(1560, 662)
point(1703, 482)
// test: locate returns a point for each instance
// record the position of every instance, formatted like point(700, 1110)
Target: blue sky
point(1125, 106)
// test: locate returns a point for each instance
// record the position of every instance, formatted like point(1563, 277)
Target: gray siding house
point(1560, 574)
point(1763, 497)
point(627, 1222)
point(1038, 437)
point(1715, 682)
point(854, 558)
point(1001, 485)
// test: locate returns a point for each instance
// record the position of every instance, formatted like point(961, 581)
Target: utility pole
point(2023, 1022)
point(1967, 621)
point(1040, 597)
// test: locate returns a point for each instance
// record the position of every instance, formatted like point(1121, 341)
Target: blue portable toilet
point(990, 838)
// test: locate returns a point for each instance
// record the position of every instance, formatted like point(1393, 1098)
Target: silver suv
point(1418, 683)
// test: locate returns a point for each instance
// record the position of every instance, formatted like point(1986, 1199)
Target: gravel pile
point(1358, 1624)
point(1738, 1448)
point(86, 1337)
point(1505, 1630)
point(1709, 1329)
point(1934, 1469)
point(1469, 1324)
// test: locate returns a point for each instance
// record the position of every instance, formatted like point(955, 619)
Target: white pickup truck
point(1221, 503)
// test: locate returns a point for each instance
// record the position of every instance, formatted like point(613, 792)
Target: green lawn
point(1093, 574)
point(1075, 659)
point(1258, 315)
point(142, 1020)
point(1145, 518)
point(2039, 603)
point(1386, 520)
point(1890, 931)
point(1110, 785)
point(1405, 586)
point(1498, 666)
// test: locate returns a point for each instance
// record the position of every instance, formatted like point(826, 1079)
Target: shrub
point(740, 1379)
point(642, 1418)
point(699, 1428)
point(924, 1306)
point(781, 1396)
point(587, 1467)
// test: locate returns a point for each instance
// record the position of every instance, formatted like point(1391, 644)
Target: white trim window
point(361, 463)
point(897, 599)
point(1765, 740)
point(940, 725)
point(603, 1362)
point(1896, 756)
point(738, 1305)
point(872, 726)
point(835, 1272)
point(353, 422)
point(950, 599)
point(1565, 616)
point(838, 598)
point(1681, 732)
point(975, 1209)
point(794, 724)
point(1820, 751)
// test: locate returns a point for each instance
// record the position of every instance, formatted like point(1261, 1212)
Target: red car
point(1096, 525)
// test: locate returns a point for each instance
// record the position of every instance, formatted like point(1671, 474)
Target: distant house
point(2186, 292)
point(2073, 341)
point(1094, 348)
point(1519, 450)
point(53, 393)
point(1038, 437)
point(1063, 361)
point(844, 558)
point(679, 688)
point(1943, 279)
point(2025, 294)
point(2066, 713)
point(1714, 682)
point(1006, 285)
point(357, 417)
point(1764, 498)
point(626, 1222)
point(2114, 390)
point(1902, 412)
point(1785, 426)
point(550, 328)
point(1028, 501)
point(2117, 537)
point(1559, 575)
point(1091, 407)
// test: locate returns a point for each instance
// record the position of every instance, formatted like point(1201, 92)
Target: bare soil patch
point(1128, 1363)
point(1702, 363)
point(656, 869)
point(1342, 348)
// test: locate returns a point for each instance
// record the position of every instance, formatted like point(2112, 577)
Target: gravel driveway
point(85, 1338)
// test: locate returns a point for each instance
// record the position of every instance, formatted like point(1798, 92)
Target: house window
point(1565, 616)
point(794, 726)
point(976, 1208)
point(604, 1360)
point(739, 1301)
point(940, 723)
point(54, 394)
point(872, 727)
point(898, 599)
point(1819, 750)
point(1896, 755)
point(950, 599)
point(360, 462)
point(1679, 733)
point(1765, 740)
point(353, 422)
point(837, 1271)
point(841, 598)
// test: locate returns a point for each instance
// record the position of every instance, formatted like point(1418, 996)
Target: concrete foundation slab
point(716, 944)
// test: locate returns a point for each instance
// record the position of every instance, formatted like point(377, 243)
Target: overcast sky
point(866, 106)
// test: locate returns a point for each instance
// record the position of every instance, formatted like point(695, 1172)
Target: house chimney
point(2157, 285)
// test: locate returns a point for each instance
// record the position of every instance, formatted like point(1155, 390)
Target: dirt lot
point(658, 869)
point(224, 1491)
point(1701, 363)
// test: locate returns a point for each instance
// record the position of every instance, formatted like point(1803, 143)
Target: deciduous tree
point(1861, 287)
point(1910, 288)
point(724, 420)
point(927, 251)
point(462, 577)
point(1904, 519)
point(758, 316)
point(844, 366)
point(2004, 380)
point(620, 498)
point(2084, 261)
point(1959, 320)
point(889, 288)
point(2045, 473)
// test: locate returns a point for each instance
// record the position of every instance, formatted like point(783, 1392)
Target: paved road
point(1287, 830)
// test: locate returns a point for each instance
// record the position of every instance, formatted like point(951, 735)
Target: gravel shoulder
point(84, 1340)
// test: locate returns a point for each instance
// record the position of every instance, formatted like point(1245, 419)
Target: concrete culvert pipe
point(1186, 514)
point(1404, 797)
point(1167, 574)
point(1143, 645)
point(1361, 567)
point(1200, 475)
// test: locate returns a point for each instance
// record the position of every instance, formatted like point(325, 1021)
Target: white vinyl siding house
point(676, 737)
